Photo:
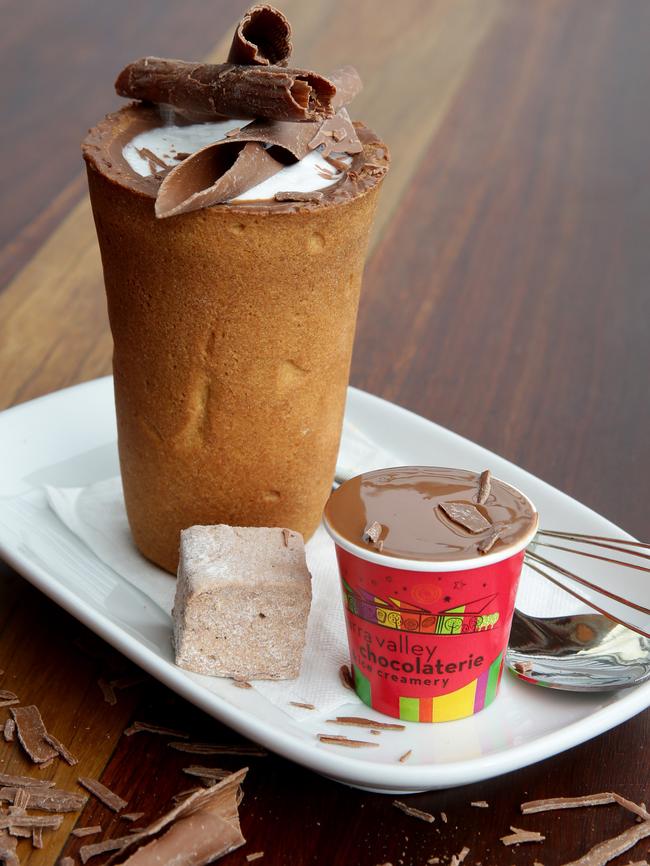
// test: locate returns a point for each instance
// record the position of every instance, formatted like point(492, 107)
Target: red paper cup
point(436, 653)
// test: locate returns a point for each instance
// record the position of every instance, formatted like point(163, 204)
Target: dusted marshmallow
point(242, 602)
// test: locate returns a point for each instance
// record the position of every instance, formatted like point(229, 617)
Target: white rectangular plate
point(69, 439)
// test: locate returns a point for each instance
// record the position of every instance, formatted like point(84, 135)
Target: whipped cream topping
point(309, 174)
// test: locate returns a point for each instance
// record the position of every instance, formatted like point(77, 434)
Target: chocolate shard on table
point(217, 90)
point(46, 799)
point(466, 515)
point(31, 733)
point(242, 602)
point(262, 37)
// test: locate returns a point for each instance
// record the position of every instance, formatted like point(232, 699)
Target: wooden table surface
point(506, 297)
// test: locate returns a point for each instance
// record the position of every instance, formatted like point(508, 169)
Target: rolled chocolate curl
point(262, 37)
point(213, 90)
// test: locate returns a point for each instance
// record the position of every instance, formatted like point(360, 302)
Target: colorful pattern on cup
point(427, 646)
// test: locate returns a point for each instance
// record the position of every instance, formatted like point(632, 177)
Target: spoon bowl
point(580, 653)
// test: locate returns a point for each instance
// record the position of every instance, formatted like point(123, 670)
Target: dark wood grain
point(506, 297)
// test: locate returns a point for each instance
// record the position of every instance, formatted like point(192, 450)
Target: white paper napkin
point(96, 515)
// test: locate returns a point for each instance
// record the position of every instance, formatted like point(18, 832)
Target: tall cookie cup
point(233, 330)
point(427, 638)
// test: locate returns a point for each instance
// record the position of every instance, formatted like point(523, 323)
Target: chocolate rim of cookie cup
point(478, 560)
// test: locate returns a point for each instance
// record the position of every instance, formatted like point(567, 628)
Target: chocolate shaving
point(31, 734)
point(21, 799)
point(483, 487)
point(466, 515)
point(518, 836)
point(241, 684)
point(360, 722)
point(344, 741)
point(338, 164)
point(376, 733)
point(37, 837)
point(144, 727)
point(443, 815)
point(286, 535)
point(338, 135)
point(605, 851)
point(214, 90)
point(135, 679)
point(107, 797)
point(8, 697)
point(262, 37)
point(255, 856)
point(87, 831)
point(24, 781)
point(639, 811)
point(9, 730)
point(183, 795)
point(216, 749)
point(8, 850)
point(302, 706)
point(212, 773)
point(488, 543)
point(95, 848)
point(132, 816)
point(346, 678)
point(66, 861)
point(65, 753)
point(204, 826)
point(480, 804)
point(552, 803)
point(9, 822)
point(372, 532)
point(414, 813)
point(107, 689)
point(46, 799)
point(457, 859)
point(314, 195)
point(404, 758)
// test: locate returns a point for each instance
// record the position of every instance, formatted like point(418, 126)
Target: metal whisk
point(627, 610)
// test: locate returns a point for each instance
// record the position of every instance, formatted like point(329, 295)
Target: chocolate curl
point(262, 37)
point(214, 90)
point(218, 173)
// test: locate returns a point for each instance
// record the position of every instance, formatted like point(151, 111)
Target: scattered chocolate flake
point(107, 797)
point(414, 813)
point(345, 675)
point(21, 799)
point(251, 751)
point(241, 684)
point(302, 706)
point(132, 816)
point(553, 803)
point(37, 837)
point(372, 532)
point(9, 822)
point(108, 691)
point(212, 773)
point(209, 829)
point(457, 859)
point(518, 836)
point(46, 799)
point(523, 667)
point(360, 722)
point(24, 782)
point(181, 155)
point(64, 861)
point(8, 854)
point(605, 851)
point(380, 545)
point(480, 804)
point(31, 734)
point(183, 795)
point(9, 730)
point(639, 811)
point(443, 815)
point(486, 545)
point(334, 740)
point(8, 698)
point(466, 515)
point(483, 487)
point(87, 831)
point(286, 535)
point(65, 753)
point(138, 727)
point(433, 860)
point(404, 758)
point(376, 733)
point(338, 164)
point(95, 848)
point(155, 162)
point(288, 195)
point(255, 856)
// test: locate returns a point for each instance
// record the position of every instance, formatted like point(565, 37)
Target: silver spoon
point(580, 653)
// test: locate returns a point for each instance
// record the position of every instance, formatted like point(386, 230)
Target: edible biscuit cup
point(436, 653)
